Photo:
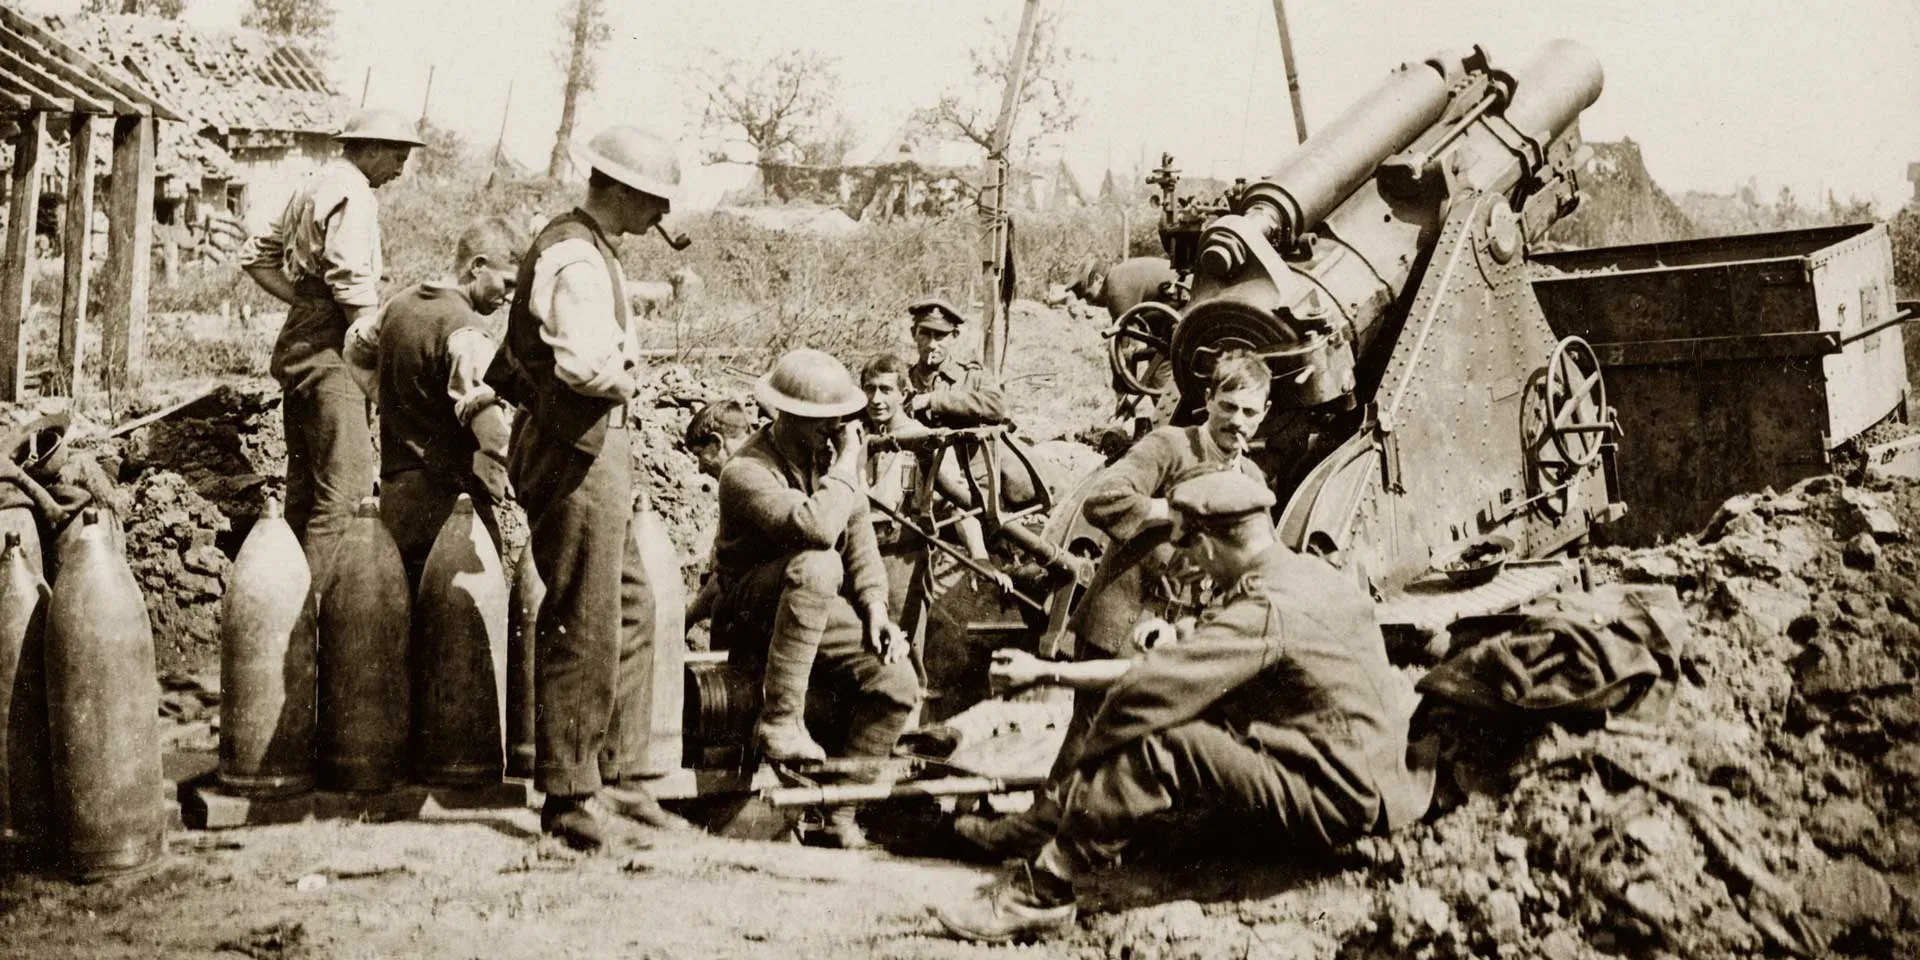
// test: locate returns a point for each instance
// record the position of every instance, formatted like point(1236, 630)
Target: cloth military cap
point(1219, 495)
point(935, 314)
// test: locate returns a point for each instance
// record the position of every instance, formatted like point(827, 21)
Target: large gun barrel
point(1309, 266)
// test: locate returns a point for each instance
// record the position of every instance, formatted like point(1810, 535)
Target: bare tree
point(585, 30)
point(167, 9)
point(786, 107)
point(309, 21)
point(1047, 106)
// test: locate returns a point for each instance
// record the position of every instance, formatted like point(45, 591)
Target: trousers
point(861, 703)
point(1194, 766)
point(415, 504)
point(330, 458)
point(593, 690)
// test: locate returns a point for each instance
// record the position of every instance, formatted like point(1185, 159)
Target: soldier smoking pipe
point(678, 241)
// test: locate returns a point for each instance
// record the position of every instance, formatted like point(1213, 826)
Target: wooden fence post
point(129, 250)
point(16, 278)
point(76, 249)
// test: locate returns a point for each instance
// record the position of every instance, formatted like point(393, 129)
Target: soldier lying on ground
point(802, 589)
point(1136, 577)
point(443, 430)
point(1280, 709)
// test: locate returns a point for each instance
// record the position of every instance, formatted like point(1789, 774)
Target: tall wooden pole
point(129, 266)
point(16, 288)
point(500, 142)
point(1293, 75)
point(76, 245)
point(365, 83)
point(427, 98)
point(993, 193)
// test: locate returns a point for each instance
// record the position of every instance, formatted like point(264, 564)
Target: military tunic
point(957, 397)
point(1281, 707)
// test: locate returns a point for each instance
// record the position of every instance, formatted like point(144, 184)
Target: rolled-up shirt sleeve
point(266, 249)
point(572, 297)
point(469, 352)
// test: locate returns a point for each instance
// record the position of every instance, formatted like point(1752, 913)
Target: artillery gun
point(1421, 401)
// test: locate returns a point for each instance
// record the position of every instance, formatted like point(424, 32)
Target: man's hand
point(885, 637)
point(1013, 671)
point(492, 475)
point(1154, 632)
point(850, 455)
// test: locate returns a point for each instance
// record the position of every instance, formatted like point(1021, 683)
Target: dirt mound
point(1774, 810)
point(663, 469)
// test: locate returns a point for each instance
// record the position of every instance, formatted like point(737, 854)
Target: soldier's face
point(1234, 416)
point(883, 398)
point(813, 434)
point(490, 282)
point(384, 162)
point(932, 344)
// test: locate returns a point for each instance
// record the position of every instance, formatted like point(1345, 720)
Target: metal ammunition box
point(1735, 363)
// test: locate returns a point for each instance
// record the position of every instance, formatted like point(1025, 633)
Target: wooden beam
point(45, 80)
point(26, 27)
point(16, 283)
point(129, 267)
point(14, 103)
point(75, 247)
point(41, 99)
point(73, 73)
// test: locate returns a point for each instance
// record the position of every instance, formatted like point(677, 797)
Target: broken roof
point(40, 72)
point(238, 80)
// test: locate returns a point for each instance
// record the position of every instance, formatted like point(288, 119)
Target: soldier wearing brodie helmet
point(568, 361)
point(802, 588)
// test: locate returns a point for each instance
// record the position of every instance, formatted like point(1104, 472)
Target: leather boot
point(781, 734)
point(844, 828)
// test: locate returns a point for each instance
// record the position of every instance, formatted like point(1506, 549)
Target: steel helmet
point(810, 383)
point(638, 158)
point(386, 126)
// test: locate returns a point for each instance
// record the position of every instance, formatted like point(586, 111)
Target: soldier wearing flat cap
point(941, 389)
point(1279, 709)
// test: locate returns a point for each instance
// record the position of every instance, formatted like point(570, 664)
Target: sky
point(1816, 95)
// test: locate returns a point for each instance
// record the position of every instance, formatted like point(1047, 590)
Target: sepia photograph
point(1127, 479)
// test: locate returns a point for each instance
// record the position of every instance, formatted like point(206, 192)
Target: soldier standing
point(443, 431)
point(322, 257)
point(568, 362)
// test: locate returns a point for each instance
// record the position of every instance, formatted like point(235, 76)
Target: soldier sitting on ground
point(1280, 709)
point(802, 589)
point(1137, 577)
point(443, 430)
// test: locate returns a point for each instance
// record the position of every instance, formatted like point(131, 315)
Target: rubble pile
point(230, 446)
point(669, 477)
point(172, 534)
point(1774, 811)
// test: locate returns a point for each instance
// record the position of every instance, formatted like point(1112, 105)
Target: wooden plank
point(16, 281)
point(22, 25)
point(45, 80)
point(74, 74)
point(75, 247)
point(129, 267)
point(14, 103)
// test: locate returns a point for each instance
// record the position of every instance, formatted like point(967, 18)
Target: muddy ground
point(1775, 810)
